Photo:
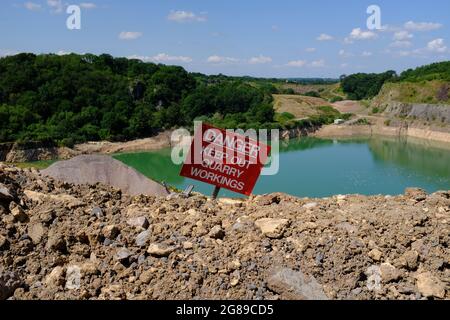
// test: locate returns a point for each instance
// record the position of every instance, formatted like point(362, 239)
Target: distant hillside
point(76, 98)
point(426, 92)
point(435, 71)
point(426, 84)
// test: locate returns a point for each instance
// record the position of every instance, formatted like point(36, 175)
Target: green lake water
point(312, 167)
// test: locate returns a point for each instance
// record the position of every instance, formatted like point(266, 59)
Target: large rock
point(160, 250)
point(67, 200)
point(55, 278)
point(36, 232)
point(272, 228)
point(430, 286)
point(5, 193)
point(92, 169)
point(294, 285)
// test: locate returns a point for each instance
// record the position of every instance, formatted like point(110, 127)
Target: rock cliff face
point(61, 241)
point(426, 112)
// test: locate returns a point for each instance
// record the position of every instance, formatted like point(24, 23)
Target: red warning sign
point(225, 159)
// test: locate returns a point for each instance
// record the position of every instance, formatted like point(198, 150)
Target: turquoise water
point(312, 167)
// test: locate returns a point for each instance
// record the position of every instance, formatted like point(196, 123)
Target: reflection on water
point(319, 167)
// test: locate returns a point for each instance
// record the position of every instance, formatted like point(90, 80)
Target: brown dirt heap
point(60, 241)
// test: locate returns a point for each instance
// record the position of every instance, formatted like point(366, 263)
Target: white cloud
point(88, 5)
point(185, 16)
point(260, 60)
point(401, 44)
point(437, 45)
point(221, 60)
point(367, 54)
point(324, 37)
point(310, 49)
point(62, 53)
point(56, 6)
point(403, 35)
point(162, 58)
point(318, 63)
point(297, 63)
point(345, 54)
point(359, 34)
point(422, 26)
point(130, 35)
point(344, 65)
point(32, 6)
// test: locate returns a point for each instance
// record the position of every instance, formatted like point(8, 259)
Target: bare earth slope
point(300, 106)
point(91, 169)
point(59, 241)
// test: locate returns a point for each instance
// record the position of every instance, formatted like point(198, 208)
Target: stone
point(142, 238)
point(160, 250)
point(122, 255)
point(36, 232)
point(231, 202)
point(272, 228)
point(146, 276)
point(410, 260)
point(47, 216)
point(9, 282)
point(69, 201)
point(416, 194)
point(267, 200)
point(217, 232)
point(56, 242)
point(89, 268)
point(55, 278)
point(389, 273)
point(139, 222)
point(111, 232)
point(373, 274)
point(310, 206)
point(188, 245)
point(375, 254)
point(234, 282)
point(5, 193)
point(97, 212)
point(4, 243)
point(18, 213)
point(73, 278)
point(430, 286)
point(294, 285)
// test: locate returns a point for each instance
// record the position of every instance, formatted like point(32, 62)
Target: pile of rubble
point(61, 241)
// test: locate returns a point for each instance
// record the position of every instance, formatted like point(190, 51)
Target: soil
point(61, 241)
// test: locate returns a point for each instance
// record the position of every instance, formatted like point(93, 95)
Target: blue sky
point(283, 38)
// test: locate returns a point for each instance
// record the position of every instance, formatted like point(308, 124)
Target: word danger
point(225, 159)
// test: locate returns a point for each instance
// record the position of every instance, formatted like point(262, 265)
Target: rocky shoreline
point(60, 241)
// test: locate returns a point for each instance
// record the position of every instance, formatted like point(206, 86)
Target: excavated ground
point(60, 241)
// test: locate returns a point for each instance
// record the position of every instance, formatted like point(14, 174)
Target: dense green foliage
point(365, 85)
point(435, 71)
point(76, 98)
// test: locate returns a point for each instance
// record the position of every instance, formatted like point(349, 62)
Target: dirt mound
point(60, 241)
point(91, 169)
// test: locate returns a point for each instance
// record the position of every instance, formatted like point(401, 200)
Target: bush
point(336, 99)
point(313, 94)
point(365, 86)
